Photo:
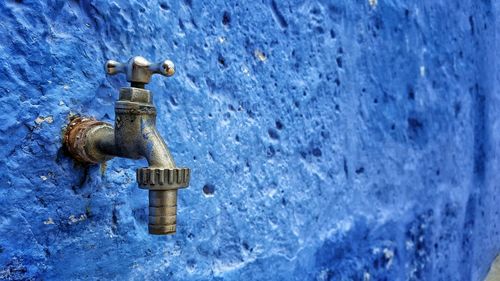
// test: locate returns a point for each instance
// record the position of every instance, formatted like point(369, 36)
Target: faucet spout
point(161, 169)
point(154, 148)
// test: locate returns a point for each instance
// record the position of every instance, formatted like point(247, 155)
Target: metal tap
point(134, 136)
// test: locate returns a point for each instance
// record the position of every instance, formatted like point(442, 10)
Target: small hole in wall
point(173, 101)
point(279, 125)
point(164, 6)
point(273, 134)
point(226, 18)
point(411, 93)
point(221, 60)
point(339, 62)
point(246, 246)
point(471, 23)
point(333, 34)
point(270, 151)
point(316, 152)
point(191, 264)
point(209, 189)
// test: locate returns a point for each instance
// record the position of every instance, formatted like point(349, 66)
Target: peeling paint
point(260, 55)
point(40, 119)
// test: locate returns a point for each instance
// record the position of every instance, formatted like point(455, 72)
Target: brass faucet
point(134, 136)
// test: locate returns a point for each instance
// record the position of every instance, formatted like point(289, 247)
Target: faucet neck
point(136, 95)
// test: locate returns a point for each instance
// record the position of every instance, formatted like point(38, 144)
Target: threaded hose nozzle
point(162, 184)
point(162, 211)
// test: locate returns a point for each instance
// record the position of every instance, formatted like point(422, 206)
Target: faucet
point(134, 136)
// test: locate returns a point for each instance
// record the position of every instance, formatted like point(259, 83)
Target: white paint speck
point(323, 275)
point(373, 3)
point(260, 55)
point(44, 178)
point(73, 219)
point(366, 276)
point(389, 255)
point(222, 39)
point(245, 70)
point(40, 119)
point(49, 221)
point(409, 244)
point(422, 71)
point(66, 87)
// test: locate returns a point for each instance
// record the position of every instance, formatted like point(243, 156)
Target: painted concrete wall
point(330, 140)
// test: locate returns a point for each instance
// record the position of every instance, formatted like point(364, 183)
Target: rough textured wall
point(331, 140)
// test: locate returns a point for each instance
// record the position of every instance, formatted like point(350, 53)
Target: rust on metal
point(75, 136)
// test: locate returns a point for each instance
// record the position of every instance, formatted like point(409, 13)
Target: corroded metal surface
point(134, 136)
point(76, 140)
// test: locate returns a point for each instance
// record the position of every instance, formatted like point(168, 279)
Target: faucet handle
point(139, 70)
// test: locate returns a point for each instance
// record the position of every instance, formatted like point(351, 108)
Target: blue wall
point(332, 140)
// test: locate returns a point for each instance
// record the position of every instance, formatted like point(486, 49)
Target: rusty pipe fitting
point(134, 136)
point(78, 143)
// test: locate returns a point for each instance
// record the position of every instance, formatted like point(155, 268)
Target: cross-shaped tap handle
point(139, 70)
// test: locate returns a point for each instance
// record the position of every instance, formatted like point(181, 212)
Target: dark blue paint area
point(328, 140)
